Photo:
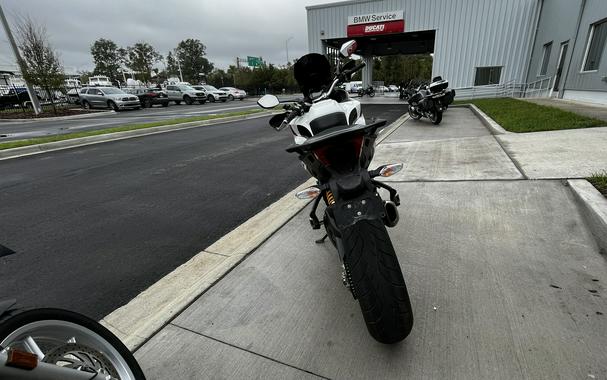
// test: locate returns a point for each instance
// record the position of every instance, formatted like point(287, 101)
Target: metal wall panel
point(595, 10)
point(469, 33)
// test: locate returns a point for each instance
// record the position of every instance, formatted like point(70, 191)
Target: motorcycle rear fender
point(367, 206)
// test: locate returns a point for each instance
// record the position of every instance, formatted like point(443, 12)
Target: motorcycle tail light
point(309, 193)
point(336, 153)
point(389, 170)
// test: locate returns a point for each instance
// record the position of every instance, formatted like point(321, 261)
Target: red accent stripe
point(389, 27)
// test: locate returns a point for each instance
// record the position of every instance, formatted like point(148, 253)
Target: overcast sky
point(228, 28)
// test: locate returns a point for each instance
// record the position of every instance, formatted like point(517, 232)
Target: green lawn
point(520, 116)
point(599, 180)
point(69, 136)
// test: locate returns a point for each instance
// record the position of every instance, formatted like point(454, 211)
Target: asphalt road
point(94, 226)
point(17, 130)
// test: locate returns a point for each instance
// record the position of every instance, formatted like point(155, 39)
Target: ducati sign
point(376, 23)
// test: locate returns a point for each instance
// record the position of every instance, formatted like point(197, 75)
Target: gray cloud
point(228, 28)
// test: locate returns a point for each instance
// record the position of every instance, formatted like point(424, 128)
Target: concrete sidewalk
point(595, 111)
point(505, 279)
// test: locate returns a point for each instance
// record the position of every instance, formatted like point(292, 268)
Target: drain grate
point(4, 251)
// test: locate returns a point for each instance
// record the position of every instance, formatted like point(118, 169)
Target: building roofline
point(336, 4)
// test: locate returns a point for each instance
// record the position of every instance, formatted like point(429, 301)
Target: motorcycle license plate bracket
point(367, 206)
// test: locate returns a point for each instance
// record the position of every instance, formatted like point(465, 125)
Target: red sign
point(359, 30)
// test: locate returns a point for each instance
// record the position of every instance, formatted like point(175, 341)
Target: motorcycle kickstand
point(321, 240)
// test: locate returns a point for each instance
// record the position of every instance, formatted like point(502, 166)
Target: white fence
point(539, 89)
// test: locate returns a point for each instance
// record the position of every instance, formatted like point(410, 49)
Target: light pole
point(287, 48)
point(11, 40)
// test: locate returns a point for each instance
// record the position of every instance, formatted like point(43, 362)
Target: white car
point(234, 93)
point(185, 93)
point(213, 94)
point(393, 87)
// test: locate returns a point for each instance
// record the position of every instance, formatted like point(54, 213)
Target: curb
point(29, 150)
point(146, 314)
point(594, 209)
point(491, 124)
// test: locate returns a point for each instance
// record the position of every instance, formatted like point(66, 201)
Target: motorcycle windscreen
point(312, 72)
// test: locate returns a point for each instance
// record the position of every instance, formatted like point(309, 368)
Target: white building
point(478, 42)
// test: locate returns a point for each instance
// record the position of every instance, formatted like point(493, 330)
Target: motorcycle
point(370, 91)
point(55, 344)
point(336, 146)
point(431, 101)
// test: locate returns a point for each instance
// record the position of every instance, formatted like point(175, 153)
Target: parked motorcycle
point(370, 91)
point(336, 146)
point(431, 100)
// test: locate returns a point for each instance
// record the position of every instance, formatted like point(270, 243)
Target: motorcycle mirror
point(268, 101)
point(276, 120)
point(348, 48)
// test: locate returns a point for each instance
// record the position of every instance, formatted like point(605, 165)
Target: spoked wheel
point(70, 340)
point(414, 115)
point(435, 116)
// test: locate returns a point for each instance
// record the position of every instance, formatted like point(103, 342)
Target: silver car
point(107, 97)
point(234, 93)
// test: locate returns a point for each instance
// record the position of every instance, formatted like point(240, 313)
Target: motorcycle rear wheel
point(376, 280)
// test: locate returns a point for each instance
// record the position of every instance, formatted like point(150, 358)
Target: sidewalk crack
point(250, 352)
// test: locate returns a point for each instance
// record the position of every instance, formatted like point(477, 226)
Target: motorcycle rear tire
point(377, 281)
point(436, 117)
point(372, 94)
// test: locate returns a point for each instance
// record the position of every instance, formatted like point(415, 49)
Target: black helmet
point(312, 72)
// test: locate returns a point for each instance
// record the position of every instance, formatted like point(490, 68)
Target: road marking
point(140, 319)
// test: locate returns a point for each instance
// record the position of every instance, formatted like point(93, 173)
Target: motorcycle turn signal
point(309, 193)
point(389, 170)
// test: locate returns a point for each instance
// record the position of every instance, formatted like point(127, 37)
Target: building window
point(546, 58)
point(487, 75)
point(596, 44)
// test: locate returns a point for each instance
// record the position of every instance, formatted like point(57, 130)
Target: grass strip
point(520, 116)
point(599, 180)
point(123, 128)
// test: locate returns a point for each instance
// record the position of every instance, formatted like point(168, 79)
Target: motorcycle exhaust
point(391, 215)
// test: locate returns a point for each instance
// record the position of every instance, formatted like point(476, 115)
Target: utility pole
point(180, 74)
point(30, 89)
point(287, 47)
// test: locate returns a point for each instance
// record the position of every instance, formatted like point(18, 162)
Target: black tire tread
point(378, 281)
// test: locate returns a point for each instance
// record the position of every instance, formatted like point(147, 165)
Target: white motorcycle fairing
point(301, 125)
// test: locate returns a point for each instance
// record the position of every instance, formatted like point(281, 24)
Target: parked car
point(393, 88)
point(184, 93)
point(107, 97)
point(149, 96)
point(15, 97)
point(100, 80)
point(234, 93)
point(213, 94)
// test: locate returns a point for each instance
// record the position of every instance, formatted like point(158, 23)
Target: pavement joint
point(249, 351)
point(514, 160)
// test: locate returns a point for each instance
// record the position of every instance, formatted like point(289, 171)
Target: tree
point(141, 58)
point(191, 55)
point(40, 64)
point(108, 58)
point(172, 67)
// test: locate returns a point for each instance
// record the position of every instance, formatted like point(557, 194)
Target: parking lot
point(17, 130)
